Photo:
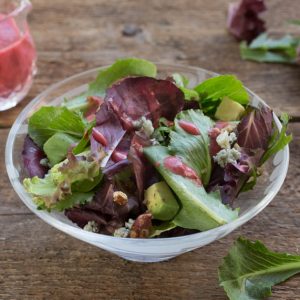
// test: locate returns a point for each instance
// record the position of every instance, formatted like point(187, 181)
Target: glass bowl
point(142, 250)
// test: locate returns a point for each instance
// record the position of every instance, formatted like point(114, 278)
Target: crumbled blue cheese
point(91, 226)
point(45, 162)
point(226, 139)
point(124, 231)
point(226, 156)
point(144, 125)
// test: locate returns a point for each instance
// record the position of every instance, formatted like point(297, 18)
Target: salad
point(141, 157)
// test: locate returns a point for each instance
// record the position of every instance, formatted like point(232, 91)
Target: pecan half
point(141, 226)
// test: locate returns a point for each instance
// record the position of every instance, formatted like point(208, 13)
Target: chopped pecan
point(120, 198)
point(141, 226)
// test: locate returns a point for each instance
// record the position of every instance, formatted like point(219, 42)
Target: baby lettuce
point(199, 210)
point(250, 270)
point(120, 69)
point(193, 149)
point(213, 90)
point(56, 186)
point(265, 49)
point(49, 120)
point(278, 139)
point(182, 82)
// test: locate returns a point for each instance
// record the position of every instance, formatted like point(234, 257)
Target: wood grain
point(71, 38)
point(37, 261)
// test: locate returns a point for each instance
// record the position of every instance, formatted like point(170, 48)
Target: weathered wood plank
point(74, 38)
point(38, 262)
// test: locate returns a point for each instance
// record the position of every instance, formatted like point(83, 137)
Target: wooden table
point(37, 261)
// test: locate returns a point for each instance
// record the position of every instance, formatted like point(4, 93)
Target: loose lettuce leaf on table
point(193, 149)
point(57, 184)
point(200, 210)
point(250, 270)
point(266, 49)
point(244, 21)
point(49, 120)
point(213, 90)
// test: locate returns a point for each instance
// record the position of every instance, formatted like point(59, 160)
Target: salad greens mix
point(136, 156)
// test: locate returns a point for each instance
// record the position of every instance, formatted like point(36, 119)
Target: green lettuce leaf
point(120, 69)
point(57, 146)
point(193, 149)
point(199, 210)
point(85, 140)
point(157, 230)
point(182, 82)
point(265, 49)
point(294, 22)
point(250, 270)
point(70, 201)
point(49, 120)
point(213, 90)
point(278, 140)
point(57, 184)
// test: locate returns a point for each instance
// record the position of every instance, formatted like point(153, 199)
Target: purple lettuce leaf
point(253, 134)
point(145, 173)
point(32, 155)
point(109, 127)
point(255, 129)
point(231, 179)
point(135, 97)
point(244, 21)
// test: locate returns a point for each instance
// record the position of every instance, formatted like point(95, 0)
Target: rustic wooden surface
point(37, 261)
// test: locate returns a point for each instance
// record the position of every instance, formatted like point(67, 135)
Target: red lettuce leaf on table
point(244, 21)
point(136, 97)
point(32, 155)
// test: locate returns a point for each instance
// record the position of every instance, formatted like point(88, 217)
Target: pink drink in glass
point(17, 53)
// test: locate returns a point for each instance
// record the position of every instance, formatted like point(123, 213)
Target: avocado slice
point(229, 110)
point(161, 202)
point(56, 147)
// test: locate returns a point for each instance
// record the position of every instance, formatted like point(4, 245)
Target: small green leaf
point(49, 120)
point(220, 86)
point(72, 200)
point(182, 83)
point(250, 270)
point(157, 230)
point(278, 140)
point(120, 69)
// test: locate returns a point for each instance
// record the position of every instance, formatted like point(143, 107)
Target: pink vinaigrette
point(17, 53)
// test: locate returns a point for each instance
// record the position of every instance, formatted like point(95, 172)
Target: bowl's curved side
point(133, 249)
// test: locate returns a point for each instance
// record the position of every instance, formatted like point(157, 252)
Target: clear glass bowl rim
point(84, 235)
